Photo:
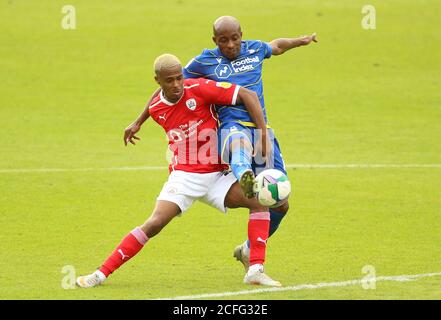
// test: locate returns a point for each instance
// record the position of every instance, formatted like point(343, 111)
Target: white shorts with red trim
point(183, 188)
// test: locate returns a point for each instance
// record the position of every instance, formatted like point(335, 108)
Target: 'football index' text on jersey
point(244, 64)
point(223, 70)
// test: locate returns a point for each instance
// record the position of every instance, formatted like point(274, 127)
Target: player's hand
point(308, 39)
point(129, 133)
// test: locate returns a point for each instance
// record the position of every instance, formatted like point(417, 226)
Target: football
point(272, 187)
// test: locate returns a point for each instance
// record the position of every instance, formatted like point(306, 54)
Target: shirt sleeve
point(219, 92)
point(193, 69)
point(268, 51)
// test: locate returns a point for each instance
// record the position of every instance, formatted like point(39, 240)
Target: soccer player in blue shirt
point(240, 62)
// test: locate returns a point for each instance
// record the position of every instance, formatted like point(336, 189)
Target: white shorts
point(183, 188)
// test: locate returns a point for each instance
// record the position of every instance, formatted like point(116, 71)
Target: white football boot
point(242, 254)
point(256, 275)
point(91, 280)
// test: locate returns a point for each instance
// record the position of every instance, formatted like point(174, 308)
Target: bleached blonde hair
point(165, 61)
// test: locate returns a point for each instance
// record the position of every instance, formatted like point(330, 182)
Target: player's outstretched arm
point(132, 129)
point(281, 45)
point(251, 102)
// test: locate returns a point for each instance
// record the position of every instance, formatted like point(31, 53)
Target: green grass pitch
point(356, 97)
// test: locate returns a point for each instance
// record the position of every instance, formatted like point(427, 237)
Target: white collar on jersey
point(163, 99)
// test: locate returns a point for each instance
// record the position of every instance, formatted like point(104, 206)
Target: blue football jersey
point(245, 71)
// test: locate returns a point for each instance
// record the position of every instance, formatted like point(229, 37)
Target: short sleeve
point(193, 70)
point(219, 92)
point(268, 51)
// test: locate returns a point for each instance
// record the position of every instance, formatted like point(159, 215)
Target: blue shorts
point(229, 131)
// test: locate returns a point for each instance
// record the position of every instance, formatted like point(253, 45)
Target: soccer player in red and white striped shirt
point(183, 109)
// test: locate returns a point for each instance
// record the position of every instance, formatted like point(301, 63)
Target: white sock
point(255, 268)
point(101, 275)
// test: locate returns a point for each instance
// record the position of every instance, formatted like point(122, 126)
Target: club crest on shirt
point(191, 104)
point(223, 71)
point(172, 190)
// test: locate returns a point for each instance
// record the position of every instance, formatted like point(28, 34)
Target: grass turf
point(357, 96)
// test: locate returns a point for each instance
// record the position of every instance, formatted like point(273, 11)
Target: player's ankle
point(255, 268)
point(103, 272)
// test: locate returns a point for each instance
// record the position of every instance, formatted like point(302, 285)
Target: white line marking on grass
point(289, 166)
point(299, 287)
point(362, 166)
point(49, 170)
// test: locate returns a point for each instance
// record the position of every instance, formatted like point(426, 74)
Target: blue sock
point(276, 218)
point(240, 161)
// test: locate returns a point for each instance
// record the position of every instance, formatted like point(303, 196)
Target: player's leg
point(163, 213)
point(277, 214)
point(236, 149)
point(132, 243)
point(274, 161)
point(241, 252)
point(258, 226)
point(173, 199)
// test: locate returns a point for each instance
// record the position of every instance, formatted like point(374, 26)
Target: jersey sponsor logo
point(184, 131)
point(176, 136)
point(225, 85)
point(162, 117)
point(219, 60)
point(223, 71)
point(192, 128)
point(244, 64)
point(191, 104)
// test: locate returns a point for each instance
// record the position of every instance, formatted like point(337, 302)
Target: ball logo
point(191, 104)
